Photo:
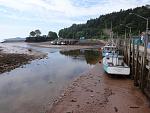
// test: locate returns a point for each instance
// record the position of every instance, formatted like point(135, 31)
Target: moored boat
point(109, 50)
point(115, 65)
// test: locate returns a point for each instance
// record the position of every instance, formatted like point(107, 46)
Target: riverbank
point(12, 56)
point(96, 92)
point(98, 44)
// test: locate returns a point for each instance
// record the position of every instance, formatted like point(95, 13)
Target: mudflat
point(9, 61)
point(12, 56)
point(96, 92)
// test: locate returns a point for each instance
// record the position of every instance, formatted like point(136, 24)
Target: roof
point(110, 46)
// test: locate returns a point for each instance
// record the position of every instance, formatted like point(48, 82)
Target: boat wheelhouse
point(109, 50)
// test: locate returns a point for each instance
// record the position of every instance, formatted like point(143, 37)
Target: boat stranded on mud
point(113, 63)
point(109, 49)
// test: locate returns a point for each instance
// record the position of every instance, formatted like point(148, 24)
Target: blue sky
point(19, 17)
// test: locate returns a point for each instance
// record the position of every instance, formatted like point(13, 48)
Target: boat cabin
point(109, 50)
point(115, 60)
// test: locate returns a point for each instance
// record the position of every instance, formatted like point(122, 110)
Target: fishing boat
point(115, 65)
point(109, 50)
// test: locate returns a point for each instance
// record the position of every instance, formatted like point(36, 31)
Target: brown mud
point(12, 56)
point(96, 92)
point(9, 61)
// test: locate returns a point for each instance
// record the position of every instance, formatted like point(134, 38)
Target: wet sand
point(17, 48)
point(96, 92)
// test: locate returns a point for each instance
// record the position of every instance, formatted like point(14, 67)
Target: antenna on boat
point(111, 34)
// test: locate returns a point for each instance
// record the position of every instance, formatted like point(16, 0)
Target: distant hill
point(17, 39)
point(99, 27)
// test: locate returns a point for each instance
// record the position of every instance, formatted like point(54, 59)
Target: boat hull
point(115, 70)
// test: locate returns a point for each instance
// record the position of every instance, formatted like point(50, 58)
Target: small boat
point(115, 65)
point(109, 50)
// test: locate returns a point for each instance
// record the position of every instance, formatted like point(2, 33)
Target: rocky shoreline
point(9, 61)
point(12, 57)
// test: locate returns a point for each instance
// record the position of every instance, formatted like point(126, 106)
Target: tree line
point(96, 28)
point(35, 36)
point(99, 28)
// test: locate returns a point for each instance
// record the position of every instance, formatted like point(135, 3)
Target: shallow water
point(33, 87)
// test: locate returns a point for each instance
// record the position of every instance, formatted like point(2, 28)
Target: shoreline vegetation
point(98, 28)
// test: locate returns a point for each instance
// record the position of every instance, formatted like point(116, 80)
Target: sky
point(19, 17)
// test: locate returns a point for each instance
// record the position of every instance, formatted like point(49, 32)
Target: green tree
point(93, 27)
point(38, 32)
point(32, 34)
point(52, 35)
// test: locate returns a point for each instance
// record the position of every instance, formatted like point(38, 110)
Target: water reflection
point(92, 56)
point(31, 88)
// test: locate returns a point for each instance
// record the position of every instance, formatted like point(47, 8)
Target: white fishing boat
point(109, 50)
point(115, 65)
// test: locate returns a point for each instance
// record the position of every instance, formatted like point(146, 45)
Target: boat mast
point(111, 34)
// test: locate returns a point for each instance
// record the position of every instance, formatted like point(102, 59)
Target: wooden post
point(129, 54)
point(144, 65)
point(126, 47)
point(148, 79)
point(147, 86)
point(133, 52)
point(140, 76)
point(136, 66)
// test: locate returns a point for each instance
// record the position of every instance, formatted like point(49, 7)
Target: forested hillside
point(95, 28)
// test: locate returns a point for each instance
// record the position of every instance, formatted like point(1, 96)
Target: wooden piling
point(132, 65)
point(135, 56)
point(144, 66)
point(136, 66)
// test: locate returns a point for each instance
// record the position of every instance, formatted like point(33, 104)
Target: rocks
point(9, 61)
point(78, 105)
point(89, 90)
point(75, 84)
point(134, 107)
point(69, 112)
point(116, 109)
point(88, 102)
point(74, 100)
point(91, 95)
point(30, 50)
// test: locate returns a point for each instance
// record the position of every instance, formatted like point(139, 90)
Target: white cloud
point(58, 8)
point(60, 12)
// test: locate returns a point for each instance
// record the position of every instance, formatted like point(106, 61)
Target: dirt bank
point(95, 92)
point(96, 44)
point(63, 47)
